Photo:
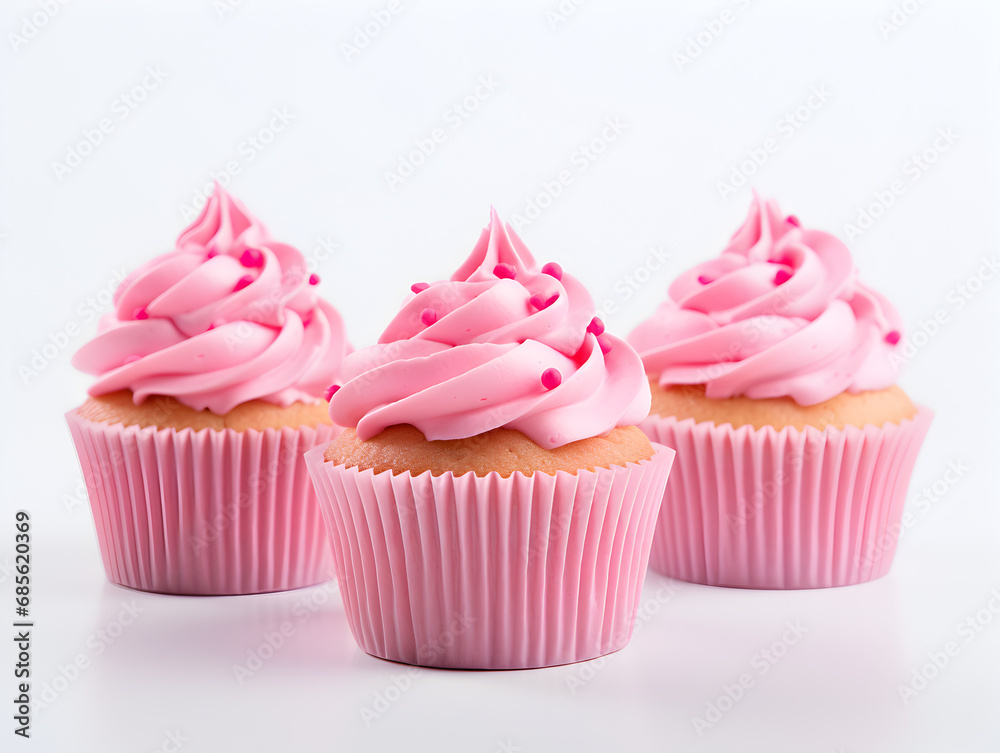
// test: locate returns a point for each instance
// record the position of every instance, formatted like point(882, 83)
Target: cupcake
point(491, 501)
point(210, 379)
point(772, 377)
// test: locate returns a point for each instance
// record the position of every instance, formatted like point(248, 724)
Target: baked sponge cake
point(210, 380)
point(772, 375)
point(491, 500)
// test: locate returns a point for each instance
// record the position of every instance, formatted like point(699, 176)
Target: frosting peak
point(502, 343)
point(228, 316)
point(780, 312)
point(222, 224)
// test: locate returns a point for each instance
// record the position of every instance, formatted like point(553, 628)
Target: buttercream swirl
point(228, 316)
point(501, 344)
point(779, 313)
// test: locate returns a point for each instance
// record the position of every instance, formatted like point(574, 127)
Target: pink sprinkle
point(782, 276)
point(140, 313)
point(243, 282)
point(553, 270)
point(704, 279)
point(210, 327)
point(330, 391)
point(551, 378)
point(893, 337)
point(543, 303)
point(793, 220)
point(605, 345)
point(505, 271)
point(596, 326)
point(428, 316)
point(212, 252)
point(314, 279)
point(131, 359)
point(252, 257)
point(418, 287)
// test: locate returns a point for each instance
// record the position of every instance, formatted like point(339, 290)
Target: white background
point(687, 128)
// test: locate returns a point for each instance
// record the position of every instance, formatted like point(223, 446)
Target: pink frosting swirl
point(501, 344)
point(779, 313)
point(227, 317)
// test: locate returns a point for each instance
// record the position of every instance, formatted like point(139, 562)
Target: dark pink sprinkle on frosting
point(419, 287)
point(893, 337)
point(428, 316)
point(704, 279)
point(782, 276)
point(541, 303)
point(330, 391)
point(505, 271)
point(793, 220)
point(243, 282)
point(552, 269)
point(551, 378)
point(252, 257)
point(596, 326)
point(140, 313)
point(314, 279)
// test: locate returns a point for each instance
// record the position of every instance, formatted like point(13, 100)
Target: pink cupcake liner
point(760, 508)
point(489, 572)
point(204, 512)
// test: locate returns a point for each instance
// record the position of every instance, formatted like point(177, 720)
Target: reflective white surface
point(159, 669)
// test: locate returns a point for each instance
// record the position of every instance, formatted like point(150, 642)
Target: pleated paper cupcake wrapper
point(204, 512)
point(490, 572)
point(760, 508)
